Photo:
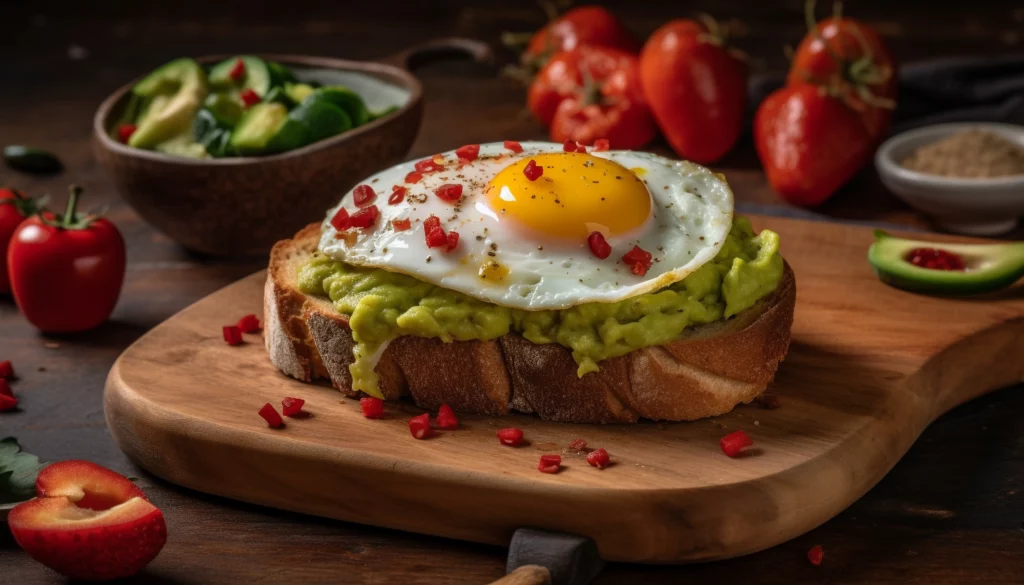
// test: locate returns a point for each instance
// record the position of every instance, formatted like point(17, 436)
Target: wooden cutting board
point(869, 368)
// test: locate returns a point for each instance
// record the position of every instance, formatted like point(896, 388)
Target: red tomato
point(591, 93)
point(66, 271)
point(14, 208)
point(585, 25)
point(696, 89)
point(852, 54)
point(809, 143)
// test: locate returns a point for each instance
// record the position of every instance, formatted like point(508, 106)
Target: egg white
point(691, 215)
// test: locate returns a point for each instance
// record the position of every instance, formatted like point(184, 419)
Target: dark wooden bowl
point(241, 206)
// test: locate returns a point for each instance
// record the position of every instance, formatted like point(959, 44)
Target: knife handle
point(526, 575)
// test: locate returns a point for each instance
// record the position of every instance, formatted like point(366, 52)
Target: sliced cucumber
point(257, 75)
point(320, 117)
point(280, 74)
point(225, 106)
point(347, 100)
point(299, 91)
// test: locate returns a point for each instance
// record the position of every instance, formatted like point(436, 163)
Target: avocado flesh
point(175, 92)
point(258, 127)
point(989, 267)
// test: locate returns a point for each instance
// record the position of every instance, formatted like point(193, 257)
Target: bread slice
point(707, 372)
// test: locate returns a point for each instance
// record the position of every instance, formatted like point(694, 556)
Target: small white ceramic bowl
point(979, 207)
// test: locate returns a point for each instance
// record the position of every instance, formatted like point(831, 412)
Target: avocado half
point(988, 266)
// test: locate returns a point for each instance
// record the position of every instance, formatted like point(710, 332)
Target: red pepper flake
point(365, 217)
point(446, 418)
point(578, 445)
point(549, 463)
point(532, 170)
point(7, 401)
point(363, 195)
point(452, 241)
point(125, 131)
point(581, 148)
point(511, 437)
point(449, 192)
point(428, 166)
point(250, 98)
point(638, 260)
point(372, 407)
point(232, 335)
point(602, 145)
point(292, 406)
point(237, 72)
point(598, 245)
point(513, 146)
point(341, 221)
point(401, 225)
point(734, 443)
point(249, 324)
point(434, 233)
point(468, 153)
point(569, 146)
point(935, 259)
point(6, 369)
point(270, 415)
point(816, 555)
point(598, 458)
point(419, 426)
point(397, 195)
point(5, 388)
point(413, 177)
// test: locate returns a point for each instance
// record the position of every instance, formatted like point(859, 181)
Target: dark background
point(950, 512)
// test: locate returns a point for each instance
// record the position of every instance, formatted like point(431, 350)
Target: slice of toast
point(707, 372)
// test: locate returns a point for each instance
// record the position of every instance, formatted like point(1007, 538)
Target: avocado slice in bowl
point(172, 95)
point(962, 269)
point(257, 75)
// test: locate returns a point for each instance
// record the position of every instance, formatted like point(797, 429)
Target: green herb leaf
point(18, 471)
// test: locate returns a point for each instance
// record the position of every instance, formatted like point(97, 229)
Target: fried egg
point(525, 241)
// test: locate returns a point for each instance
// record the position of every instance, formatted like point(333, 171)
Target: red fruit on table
point(88, 523)
point(584, 25)
point(696, 88)
point(14, 208)
point(66, 270)
point(809, 142)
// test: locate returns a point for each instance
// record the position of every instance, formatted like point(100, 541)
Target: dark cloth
point(951, 89)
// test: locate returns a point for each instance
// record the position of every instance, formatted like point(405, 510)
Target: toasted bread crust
point(706, 373)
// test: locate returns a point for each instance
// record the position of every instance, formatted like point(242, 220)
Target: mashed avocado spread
point(386, 305)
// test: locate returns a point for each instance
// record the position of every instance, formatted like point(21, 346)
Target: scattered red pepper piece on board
point(734, 443)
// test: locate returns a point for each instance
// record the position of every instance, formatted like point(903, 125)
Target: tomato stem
point(69, 212)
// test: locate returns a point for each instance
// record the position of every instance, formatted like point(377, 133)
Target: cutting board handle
point(526, 575)
point(439, 49)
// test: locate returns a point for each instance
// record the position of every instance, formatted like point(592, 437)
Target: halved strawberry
point(88, 523)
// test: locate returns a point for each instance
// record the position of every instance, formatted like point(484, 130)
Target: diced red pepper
point(249, 324)
point(125, 131)
point(734, 443)
point(532, 170)
point(452, 241)
point(250, 98)
point(549, 463)
point(232, 335)
point(601, 145)
point(397, 195)
point(270, 415)
point(569, 146)
point(816, 555)
point(428, 166)
point(365, 217)
point(513, 146)
point(578, 445)
point(468, 153)
point(372, 407)
point(598, 458)
point(598, 245)
point(638, 260)
point(511, 437)
point(237, 72)
point(7, 402)
point(363, 195)
point(433, 232)
point(292, 406)
point(449, 192)
point(341, 221)
point(446, 418)
point(6, 369)
point(401, 225)
point(419, 426)
point(5, 388)
point(413, 177)
point(581, 148)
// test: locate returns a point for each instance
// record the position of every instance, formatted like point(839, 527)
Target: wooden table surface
point(951, 512)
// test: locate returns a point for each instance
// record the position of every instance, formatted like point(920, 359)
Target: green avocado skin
point(990, 267)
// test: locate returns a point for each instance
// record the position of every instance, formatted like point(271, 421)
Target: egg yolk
point(577, 194)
